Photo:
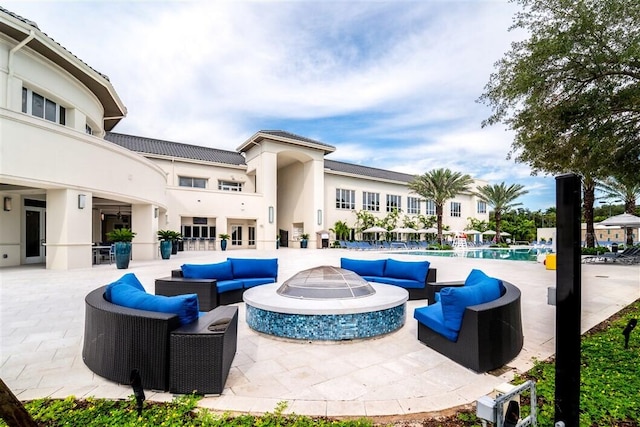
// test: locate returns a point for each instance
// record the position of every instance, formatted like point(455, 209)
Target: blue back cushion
point(407, 270)
point(128, 279)
point(220, 271)
point(253, 267)
point(455, 300)
point(364, 267)
point(474, 277)
point(184, 306)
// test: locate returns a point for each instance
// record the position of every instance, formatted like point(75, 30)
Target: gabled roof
point(22, 29)
point(286, 137)
point(366, 171)
point(175, 149)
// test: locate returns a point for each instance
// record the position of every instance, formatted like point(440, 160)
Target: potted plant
point(223, 241)
point(122, 238)
point(166, 238)
point(304, 240)
point(175, 239)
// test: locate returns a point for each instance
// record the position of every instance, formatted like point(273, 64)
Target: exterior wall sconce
point(7, 204)
point(82, 200)
point(270, 214)
point(319, 216)
point(155, 212)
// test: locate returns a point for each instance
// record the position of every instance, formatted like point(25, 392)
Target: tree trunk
point(630, 208)
point(498, 219)
point(589, 198)
point(439, 222)
point(14, 414)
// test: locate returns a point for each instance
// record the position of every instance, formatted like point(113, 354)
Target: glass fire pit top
point(326, 282)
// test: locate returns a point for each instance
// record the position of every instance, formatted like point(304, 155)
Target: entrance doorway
point(34, 235)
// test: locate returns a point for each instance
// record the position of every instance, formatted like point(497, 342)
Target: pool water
point(525, 254)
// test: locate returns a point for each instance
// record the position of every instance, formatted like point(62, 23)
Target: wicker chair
point(119, 339)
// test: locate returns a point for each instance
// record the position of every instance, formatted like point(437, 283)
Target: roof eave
point(259, 136)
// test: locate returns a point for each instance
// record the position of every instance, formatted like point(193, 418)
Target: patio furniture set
point(183, 339)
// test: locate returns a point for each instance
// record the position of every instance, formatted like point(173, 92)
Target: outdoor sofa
point(410, 275)
point(172, 345)
point(220, 283)
point(476, 323)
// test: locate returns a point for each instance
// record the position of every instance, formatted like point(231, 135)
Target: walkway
point(42, 316)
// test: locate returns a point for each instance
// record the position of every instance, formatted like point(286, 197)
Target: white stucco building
point(66, 178)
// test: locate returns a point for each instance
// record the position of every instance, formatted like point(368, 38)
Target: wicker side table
point(201, 352)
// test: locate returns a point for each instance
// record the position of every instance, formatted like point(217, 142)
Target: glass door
point(35, 233)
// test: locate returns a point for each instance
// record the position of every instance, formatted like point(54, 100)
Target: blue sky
point(391, 85)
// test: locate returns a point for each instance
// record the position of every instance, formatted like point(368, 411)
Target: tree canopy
point(571, 90)
point(501, 198)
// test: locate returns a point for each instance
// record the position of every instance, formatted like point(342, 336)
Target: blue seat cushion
point(254, 267)
point(184, 306)
point(128, 279)
point(455, 300)
point(403, 283)
point(409, 270)
point(250, 283)
point(431, 316)
point(364, 267)
point(475, 277)
point(228, 285)
point(220, 271)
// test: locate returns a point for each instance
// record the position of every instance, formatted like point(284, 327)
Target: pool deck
point(42, 321)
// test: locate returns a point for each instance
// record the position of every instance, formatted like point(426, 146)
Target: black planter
point(123, 254)
point(174, 247)
point(223, 245)
point(304, 243)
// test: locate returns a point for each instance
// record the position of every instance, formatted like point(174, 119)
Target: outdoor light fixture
point(270, 214)
point(138, 391)
point(82, 200)
point(319, 216)
point(7, 204)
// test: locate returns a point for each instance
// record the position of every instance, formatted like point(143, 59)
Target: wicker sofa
point(490, 334)
point(221, 283)
point(410, 275)
point(119, 339)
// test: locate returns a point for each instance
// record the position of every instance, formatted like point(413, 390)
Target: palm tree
point(501, 199)
point(440, 185)
point(625, 191)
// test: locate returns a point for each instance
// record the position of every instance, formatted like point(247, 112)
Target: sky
point(392, 85)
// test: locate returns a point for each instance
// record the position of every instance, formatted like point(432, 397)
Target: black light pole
point(568, 305)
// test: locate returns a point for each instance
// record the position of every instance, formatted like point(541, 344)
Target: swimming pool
point(523, 254)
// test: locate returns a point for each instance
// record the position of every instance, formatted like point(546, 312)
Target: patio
point(43, 314)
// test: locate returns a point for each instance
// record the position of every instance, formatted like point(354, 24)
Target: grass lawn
point(610, 396)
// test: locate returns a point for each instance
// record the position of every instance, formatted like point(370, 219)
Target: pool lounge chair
point(628, 256)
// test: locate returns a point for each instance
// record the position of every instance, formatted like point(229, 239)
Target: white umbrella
point(472, 232)
point(375, 229)
point(404, 230)
point(504, 233)
point(430, 230)
point(488, 233)
point(622, 220)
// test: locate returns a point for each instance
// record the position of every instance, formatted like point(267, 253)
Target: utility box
point(550, 261)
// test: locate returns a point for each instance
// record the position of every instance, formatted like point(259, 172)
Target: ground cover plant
point(610, 385)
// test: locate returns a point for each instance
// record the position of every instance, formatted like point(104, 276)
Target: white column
point(145, 225)
point(69, 229)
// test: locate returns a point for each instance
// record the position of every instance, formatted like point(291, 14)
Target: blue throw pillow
point(474, 277)
point(364, 267)
point(128, 279)
point(407, 270)
point(220, 271)
point(184, 306)
point(455, 300)
point(252, 267)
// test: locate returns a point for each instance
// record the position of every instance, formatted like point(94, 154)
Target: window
point(393, 202)
point(252, 236)
point(345, 199)
point(456, 209)
point(186, 181)
point(39, 106)
point(482, 206)
point(88, 129)
point(413, 205)
point(236, 235)
point(229, 186)
point(431, 207)
point(371, 201)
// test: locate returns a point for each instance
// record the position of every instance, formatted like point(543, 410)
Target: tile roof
point(285, 134)
point(366, 171)
point(174, 149)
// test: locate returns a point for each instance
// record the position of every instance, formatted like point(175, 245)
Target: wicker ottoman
point(201, 352)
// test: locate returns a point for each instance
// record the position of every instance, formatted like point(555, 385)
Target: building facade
point(66, 178)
